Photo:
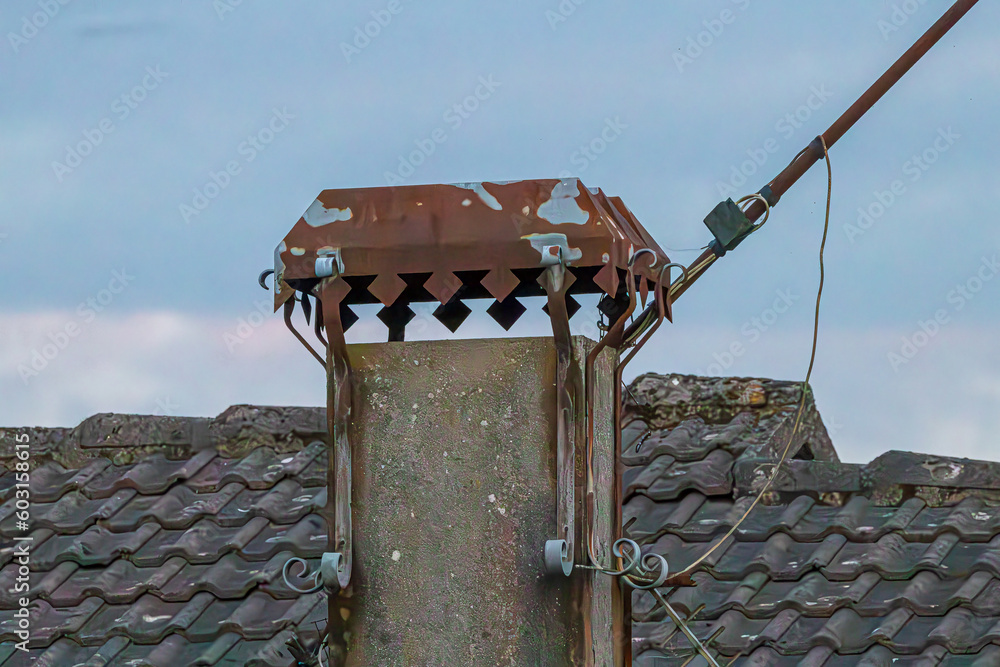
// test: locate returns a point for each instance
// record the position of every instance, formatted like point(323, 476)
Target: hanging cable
point(805, 383)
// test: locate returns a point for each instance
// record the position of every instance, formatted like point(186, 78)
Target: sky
point(153, 154)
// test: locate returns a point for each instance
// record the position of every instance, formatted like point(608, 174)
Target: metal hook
point(684, 273)
point(263, 276)
point(631, 259)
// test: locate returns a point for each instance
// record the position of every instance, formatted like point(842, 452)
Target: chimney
point(473, 484)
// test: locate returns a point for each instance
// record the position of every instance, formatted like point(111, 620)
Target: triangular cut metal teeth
point(396, 317)
point(347, 316)
point(442, 285)
point(506, 312)
point(452, 314)
point(500, 283)
point(572, 306)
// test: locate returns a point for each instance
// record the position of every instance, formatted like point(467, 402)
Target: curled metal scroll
point(560, 552)
point(649, 572)
point(642, 572)
point(303, 574)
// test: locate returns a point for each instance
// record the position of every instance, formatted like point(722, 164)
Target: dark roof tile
point(891, 556)
point(64, 652)
point(665, 478)
point(987, 601)
point(988, 657)
point(780, 556)
point(292, 464)
point(95, 546)
point(120, 582)
point(147, 620)
point(50, 480)
point(681, 554)
point(926, 593)
point(968, 557)
point(691, 440)
point(959, 631)
point(204, 542)
point(814, 595)
point(175, 650)
point(971, 518)
point(48, 623)
point(8, 480)
point(307, 539)
point(74, 512)
point(257, 616)
point(150, 475)
point(178, 508)
point(53, 579)
point(286, 502)
point(258, 469)
point(269, 653)
point(647, 519)
point(210, 478)
point(314, 473)
point(231, 577)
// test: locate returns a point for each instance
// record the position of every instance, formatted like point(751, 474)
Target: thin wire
point(323, 648)
point(805, 383)
point(684, 249)
point(693, 273)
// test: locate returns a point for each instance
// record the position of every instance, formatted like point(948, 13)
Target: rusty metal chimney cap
point(440, 229)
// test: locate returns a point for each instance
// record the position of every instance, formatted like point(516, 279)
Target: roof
point(160, 540)
point(892, 562)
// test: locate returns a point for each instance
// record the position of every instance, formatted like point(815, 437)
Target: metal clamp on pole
point(559, 552)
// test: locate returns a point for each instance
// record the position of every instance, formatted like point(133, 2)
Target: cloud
point(946, 401)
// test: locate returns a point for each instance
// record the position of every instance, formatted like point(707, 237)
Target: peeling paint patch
point(485, 196)
point(562, 205)
point(298, 252)
point(318, 215)
point(279, 267)
point(540, 241)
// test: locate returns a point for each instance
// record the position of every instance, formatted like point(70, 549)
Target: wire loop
point(750, 198)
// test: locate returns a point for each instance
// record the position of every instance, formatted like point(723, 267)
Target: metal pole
point(814, 151)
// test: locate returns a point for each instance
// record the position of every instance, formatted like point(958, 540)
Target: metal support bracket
point(337, 563)
point(329, 263)
point(560, 552)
